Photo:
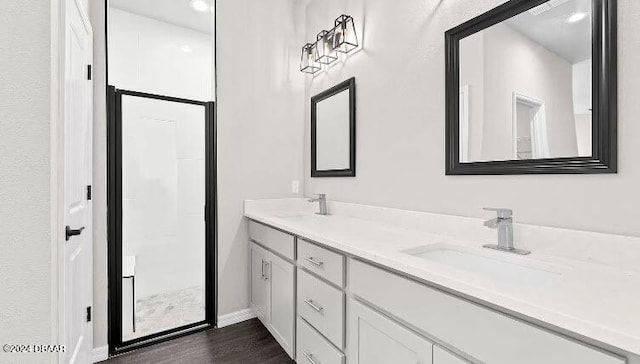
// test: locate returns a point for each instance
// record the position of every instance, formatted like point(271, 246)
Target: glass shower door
point(164, 238)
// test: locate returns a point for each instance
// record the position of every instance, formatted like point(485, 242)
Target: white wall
point(401, 121)
point(260, 124)
point(147, 55)
point(25, 170)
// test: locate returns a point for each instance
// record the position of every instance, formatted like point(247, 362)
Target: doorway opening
point(530, 139)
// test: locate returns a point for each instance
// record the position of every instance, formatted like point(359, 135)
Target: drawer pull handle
point(309, 357)
point(313, 305)
point(314, 262)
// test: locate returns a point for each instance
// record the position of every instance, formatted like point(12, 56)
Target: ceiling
point(177, 12)
point(571, 41)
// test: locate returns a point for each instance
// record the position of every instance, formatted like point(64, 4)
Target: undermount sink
point(495, 269)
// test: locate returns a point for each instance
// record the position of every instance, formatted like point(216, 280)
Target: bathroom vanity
point(375, 285)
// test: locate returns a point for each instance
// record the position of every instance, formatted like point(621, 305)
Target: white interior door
point(78, 248)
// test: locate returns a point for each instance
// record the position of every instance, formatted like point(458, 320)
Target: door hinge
point(89, 72)
point(89, 193)
point(89, 314)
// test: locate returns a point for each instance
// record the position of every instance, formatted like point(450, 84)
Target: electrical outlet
point(295, 186)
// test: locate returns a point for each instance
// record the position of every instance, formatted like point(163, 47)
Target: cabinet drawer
point(484, 334)
point(313, 348)
point(321, 305)
point(323, 262)
point(276, 240)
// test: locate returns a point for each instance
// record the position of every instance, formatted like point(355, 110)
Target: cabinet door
point(375, 339)
point(440, 356)
point(259, 283)
point(280, 278)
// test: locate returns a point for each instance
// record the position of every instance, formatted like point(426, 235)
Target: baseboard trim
point(101, 353)
point(235, 317)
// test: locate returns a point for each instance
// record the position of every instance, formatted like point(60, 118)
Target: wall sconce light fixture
point(345, 39)
point(308, 62)
point(325, 53)
point(341, 38)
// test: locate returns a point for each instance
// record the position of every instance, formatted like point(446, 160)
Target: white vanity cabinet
point(480, 332)
point(375, 339)
point(351, 311)
point(272, 295)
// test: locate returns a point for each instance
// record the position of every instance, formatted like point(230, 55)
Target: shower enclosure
point(161, 217)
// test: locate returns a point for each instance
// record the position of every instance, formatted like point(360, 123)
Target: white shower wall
point(163, 193)
point(152, 56)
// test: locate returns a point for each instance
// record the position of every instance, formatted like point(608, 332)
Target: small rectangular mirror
point(333, 131)
point(531, 89)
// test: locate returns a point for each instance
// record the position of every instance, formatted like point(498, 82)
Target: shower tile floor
point(168, 310)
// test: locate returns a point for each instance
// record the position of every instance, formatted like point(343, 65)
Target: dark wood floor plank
point(248, 342)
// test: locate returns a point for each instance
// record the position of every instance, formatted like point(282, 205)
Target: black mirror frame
point(604, 115)
point(349, 85)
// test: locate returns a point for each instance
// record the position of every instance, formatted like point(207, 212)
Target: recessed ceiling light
point(576, 17)
point(186, 49)
point(199, 5)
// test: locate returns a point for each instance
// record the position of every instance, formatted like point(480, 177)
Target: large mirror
point(531, 88)
point(333, 131)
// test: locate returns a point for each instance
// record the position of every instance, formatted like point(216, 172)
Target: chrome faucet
point(504, 224)
point(322, 200)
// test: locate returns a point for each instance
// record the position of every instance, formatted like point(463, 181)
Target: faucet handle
point(320, 195)
point(502, 212)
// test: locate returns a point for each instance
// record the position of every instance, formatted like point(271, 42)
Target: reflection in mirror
point(333, 131)
point(525, 86)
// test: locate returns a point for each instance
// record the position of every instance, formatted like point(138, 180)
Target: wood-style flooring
point(247, 342)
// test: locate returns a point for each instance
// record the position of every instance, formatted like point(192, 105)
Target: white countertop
point(591, 300)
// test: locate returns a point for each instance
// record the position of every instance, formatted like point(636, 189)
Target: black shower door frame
point(114, 206)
